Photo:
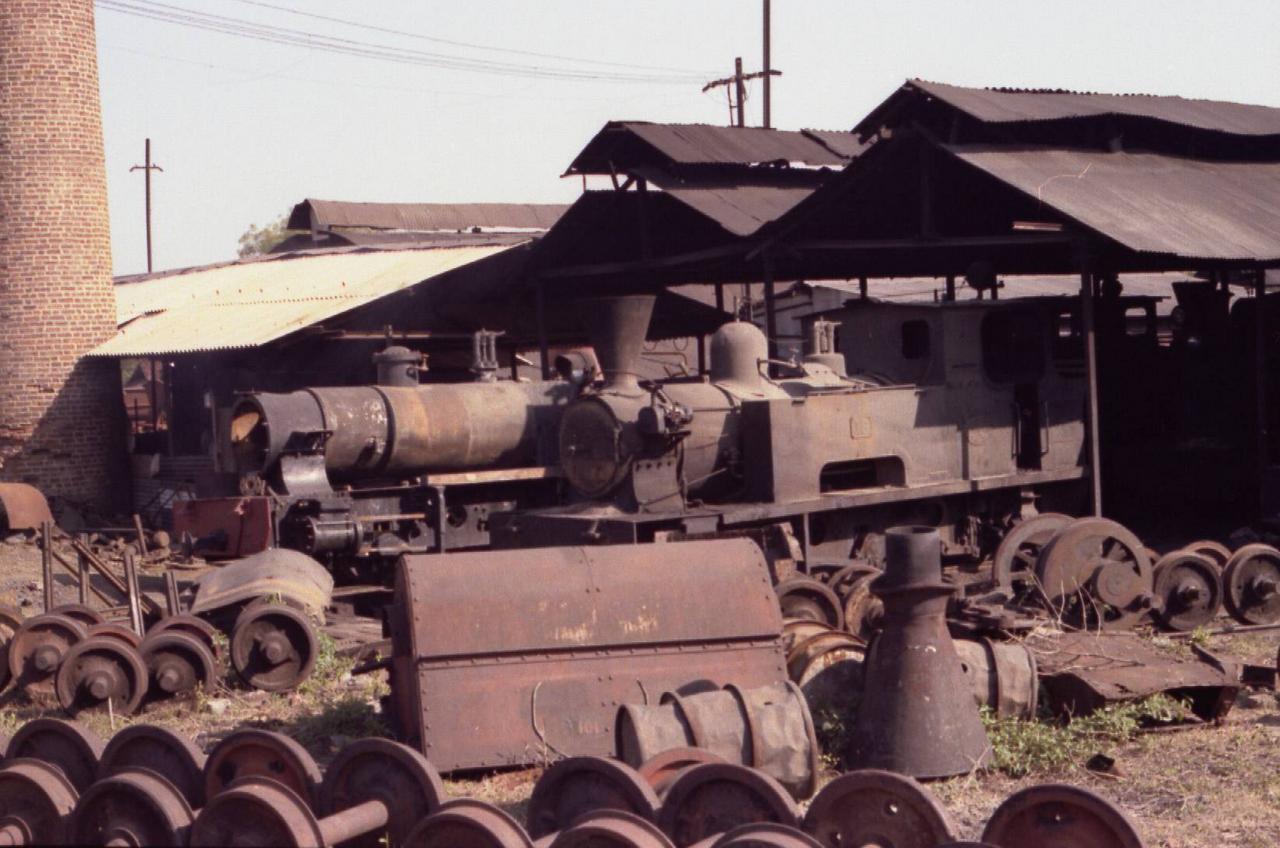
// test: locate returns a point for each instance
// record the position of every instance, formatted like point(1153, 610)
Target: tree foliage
point(256, 240)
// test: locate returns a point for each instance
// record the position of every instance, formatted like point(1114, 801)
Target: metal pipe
point(46, 562)
point(355, 821)
point(765, 78)
point(1091, 397)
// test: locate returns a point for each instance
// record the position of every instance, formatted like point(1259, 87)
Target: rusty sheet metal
point(250, 303)
point(312, 214)
point(1082, 672)
point(1003, 105)
point(507, 657)
point(22, 507)
point(1148, 202)
point(622, 145)
point(287, 574)
point(225, 527)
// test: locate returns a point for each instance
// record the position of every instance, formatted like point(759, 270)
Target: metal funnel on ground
point(917, 716)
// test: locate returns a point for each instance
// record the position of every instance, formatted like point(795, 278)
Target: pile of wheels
point(60, 785)
point(1094, 572)
point(71, 654)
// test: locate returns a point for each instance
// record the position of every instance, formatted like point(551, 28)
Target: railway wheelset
point(73, 655)
point(1089, 573)
point(59, 784)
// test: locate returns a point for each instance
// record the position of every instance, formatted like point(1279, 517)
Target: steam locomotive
point(963, 416)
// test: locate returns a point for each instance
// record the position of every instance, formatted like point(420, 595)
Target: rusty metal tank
point(509, 657)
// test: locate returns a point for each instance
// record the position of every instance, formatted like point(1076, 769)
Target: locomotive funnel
point(617, 327)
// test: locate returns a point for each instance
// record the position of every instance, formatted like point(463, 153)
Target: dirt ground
point(1210, 787)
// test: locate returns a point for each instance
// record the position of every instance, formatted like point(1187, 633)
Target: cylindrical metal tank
point(390, 430)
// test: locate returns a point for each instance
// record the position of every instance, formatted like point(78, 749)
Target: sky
point(244, 128)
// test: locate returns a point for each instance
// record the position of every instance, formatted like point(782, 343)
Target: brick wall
point(61, 418)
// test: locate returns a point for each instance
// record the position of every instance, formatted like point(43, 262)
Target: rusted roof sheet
point(1148, 202)
point(247, 304)
point(1003, 105)
point(622, 144)
point(741, 209)
point(312, 214)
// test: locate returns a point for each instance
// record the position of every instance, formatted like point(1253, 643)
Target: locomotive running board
point(516, 657)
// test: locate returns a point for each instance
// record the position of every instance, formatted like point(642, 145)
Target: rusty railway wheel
point(873, 807)
point(1062, 816)
point(1189, 587)
point(11, 619)
point(711, 799)
point(251, 752)
point(575, 786)
point(1095, 574)
point(131, 807)
point(382, 770)
point(806, 598)
point(611, 829)
point(273, 647)
point(661, 769)
point(37, 650)
point(101, 673)
point(1252, 584)
point(467, 823)
point(160, 751)
point(35, 800)
point(178, 664)
point(68, 746)
point(190, 624)
point(86, 615)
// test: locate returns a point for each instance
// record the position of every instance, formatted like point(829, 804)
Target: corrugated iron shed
point(247, 304)
point(620, 145)
point(1004, 105)
point(1148, 202)
point(741, 209)
point(318, 215)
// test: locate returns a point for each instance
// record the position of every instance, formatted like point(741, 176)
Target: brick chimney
point(61, 416)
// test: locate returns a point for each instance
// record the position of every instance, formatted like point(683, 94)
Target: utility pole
point(739, 82)
point(768, 120)
point(147, 169)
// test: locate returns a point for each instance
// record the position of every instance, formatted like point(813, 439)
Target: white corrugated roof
point(247, 304)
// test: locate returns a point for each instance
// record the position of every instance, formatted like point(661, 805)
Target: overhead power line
point(470, 45)
point(181, 16)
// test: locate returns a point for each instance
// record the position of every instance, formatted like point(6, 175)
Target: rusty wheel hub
point(273, 647)
point(467, 823)
point(710, 799)
point(611, 829)
point(35, 799)
point(1014, 564)
point(382, 770)
point(101, 673)
point(261, 753)
point(1095, 574)
point(161, 752)
point(10, 620)
point(256, 811)
point(38, 648)
point(1062, 816)
point(578, 785)
point(178, 663)
point(1251, 583)
point(881, 808)
point(72, 748)
point(1189, 587)
point(132, 808)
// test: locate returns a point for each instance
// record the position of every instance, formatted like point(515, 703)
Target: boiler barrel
point(388, 430)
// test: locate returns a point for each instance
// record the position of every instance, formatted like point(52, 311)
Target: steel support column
point(1260, 386)
point(1091, 396)
point(540, 308)
point(770, 314)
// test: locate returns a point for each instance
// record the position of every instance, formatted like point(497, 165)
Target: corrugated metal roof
point(614, 147)
point(247, 304)
point(1148, 202)
point(741, 209)
point(312, 214)
point(1003, 105)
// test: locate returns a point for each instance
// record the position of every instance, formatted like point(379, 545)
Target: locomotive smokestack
point(617, 327)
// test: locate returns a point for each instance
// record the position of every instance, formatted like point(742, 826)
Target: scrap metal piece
point(22, 507)
point(1002, 675)
point(578, 785)
point(251, 752)
point(1252, 583)
point(376, 769)
point(488, 670)
point(807, 599)
point(1014, 563)
point(1189, 588)
point(873, 807)
point(917, 716)
point(468, 823)
point(35, 800)
point(133, 807)
point(1095, 574)
point(278, 572)
point(661, 769)
point(160, 751)
point(610, 829)
point(1062, 816)
point(711, 799)
point(1084, 671)
point(177, 664)
point(273, 647)
point(101, 673)
point(37, 649)
point(68, 746)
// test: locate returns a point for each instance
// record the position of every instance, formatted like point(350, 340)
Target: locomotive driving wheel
point(1095, 574)
point(1189, 587)
point(1014, 564)
point(1252, 583)
point(273, 647)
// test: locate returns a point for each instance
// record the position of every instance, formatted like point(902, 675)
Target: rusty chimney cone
point(917, 716)
point(617, 327)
